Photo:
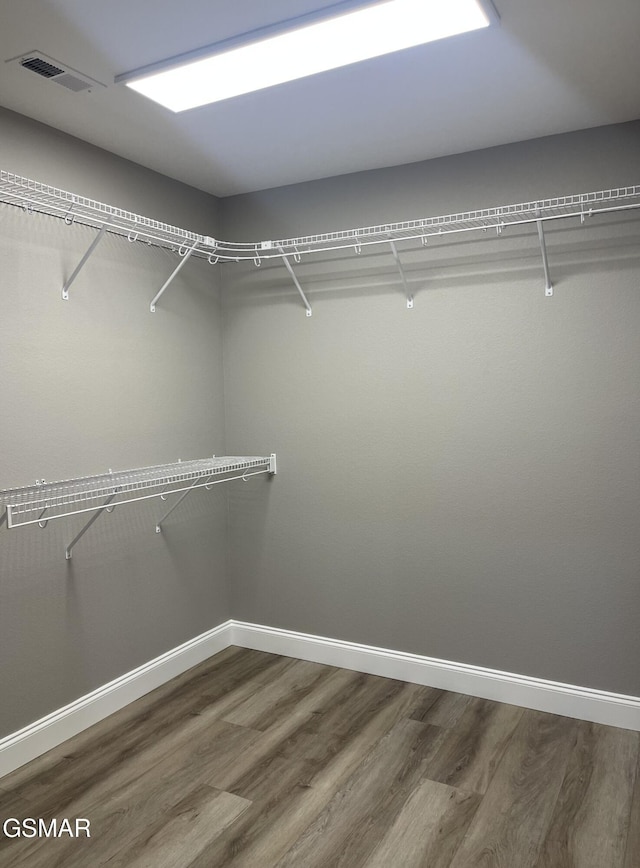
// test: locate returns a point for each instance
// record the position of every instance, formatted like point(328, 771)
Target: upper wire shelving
point(43, 199)
point(581, 205)
point(37, 197)
point(46, 501)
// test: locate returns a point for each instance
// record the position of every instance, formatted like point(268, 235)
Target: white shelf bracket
point(94, 517)
point(548, 286)
point(297, 282)
point(209, 481)
point(175, 272)
point(396, 256)
point(196, 484)
point(83, 262)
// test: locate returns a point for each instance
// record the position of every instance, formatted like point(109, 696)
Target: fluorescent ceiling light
point(327, 44)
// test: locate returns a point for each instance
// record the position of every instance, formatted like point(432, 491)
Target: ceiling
point(550, 66)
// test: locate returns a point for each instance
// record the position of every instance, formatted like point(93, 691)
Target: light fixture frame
point(276, 29)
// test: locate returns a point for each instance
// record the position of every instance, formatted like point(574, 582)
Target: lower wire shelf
point(46, 501)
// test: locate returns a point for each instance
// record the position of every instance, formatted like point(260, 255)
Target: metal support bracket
point(548, 286)
point(83, 262)
point(181, 264)
point(195, 484)
point(206, 483)
point(95, 517)
point(396, 256)
point(297, 282)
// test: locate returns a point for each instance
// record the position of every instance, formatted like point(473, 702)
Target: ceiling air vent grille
point(51, 69)
point(42, 67)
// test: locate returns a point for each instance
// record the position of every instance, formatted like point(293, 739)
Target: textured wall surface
point(94, 383)
point(460, 480)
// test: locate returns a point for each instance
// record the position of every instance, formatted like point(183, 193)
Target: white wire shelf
point(37, 197)
point(46, 501)
point(580, 206)
point(34, 196)
point(41, 198)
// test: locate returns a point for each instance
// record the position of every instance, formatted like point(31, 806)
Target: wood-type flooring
point(254, 760)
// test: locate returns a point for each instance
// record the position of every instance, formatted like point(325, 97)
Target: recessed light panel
point(345, 39)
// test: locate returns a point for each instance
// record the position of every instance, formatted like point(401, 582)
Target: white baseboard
point(566, 699)
point(50, 731)
point(583, 703)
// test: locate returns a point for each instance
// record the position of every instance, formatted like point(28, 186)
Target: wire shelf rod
point(565, 207)
point(169, 241)
point(450, 229)
point(34, 196)
point(129, 500)
point(71, 497)
point(418, 235)
point(41, 198)
point(28, 505)
point(16, 190)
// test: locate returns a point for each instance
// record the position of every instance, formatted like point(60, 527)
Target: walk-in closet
point(320, 397)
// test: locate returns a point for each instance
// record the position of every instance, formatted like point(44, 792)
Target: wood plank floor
point(253, 760)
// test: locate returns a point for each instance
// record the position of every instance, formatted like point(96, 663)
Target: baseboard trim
point(50, 731)
point(583, 703)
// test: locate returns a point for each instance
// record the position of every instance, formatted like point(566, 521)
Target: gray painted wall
point(460, 480)
point(93, 383)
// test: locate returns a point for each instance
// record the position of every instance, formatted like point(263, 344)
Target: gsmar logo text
point(31, 827)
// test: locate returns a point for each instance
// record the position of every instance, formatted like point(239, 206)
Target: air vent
point(53, 70)
point(37, 64)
